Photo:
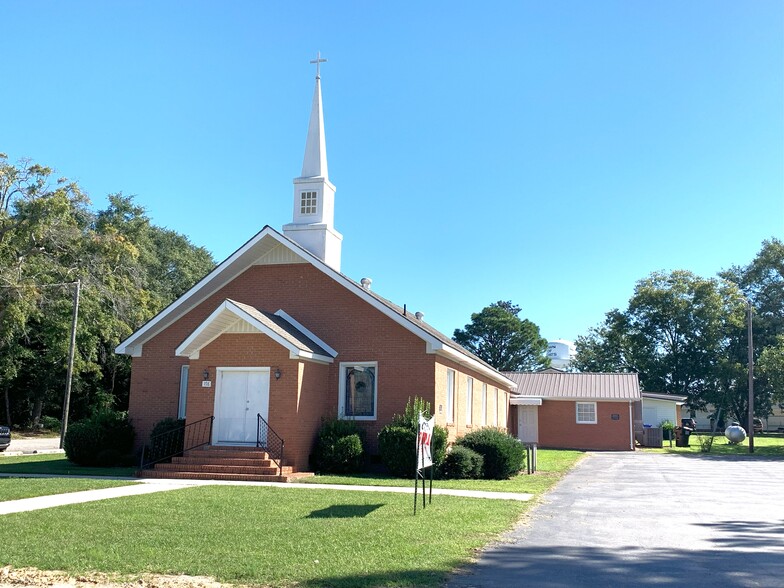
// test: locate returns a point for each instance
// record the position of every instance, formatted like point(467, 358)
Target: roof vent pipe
point(419, 315)
point(366, 282)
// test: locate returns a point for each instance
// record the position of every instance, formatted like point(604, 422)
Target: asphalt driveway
point(646, 519)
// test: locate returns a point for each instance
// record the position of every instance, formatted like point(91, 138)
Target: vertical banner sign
point(424, 456)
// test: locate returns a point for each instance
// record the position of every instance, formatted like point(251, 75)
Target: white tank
point(561, 353)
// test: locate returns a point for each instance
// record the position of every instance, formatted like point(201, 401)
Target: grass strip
point(551, 465)
point(764, 446)
point(258, 535)
point(17, 488)
point(56, 464)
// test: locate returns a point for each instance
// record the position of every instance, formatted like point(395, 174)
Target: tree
point(762, 283)
point(508, 343)
point(771, 371)
point(681, 333)
point(130, 270)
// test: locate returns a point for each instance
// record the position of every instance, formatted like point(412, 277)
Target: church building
point(275, 339)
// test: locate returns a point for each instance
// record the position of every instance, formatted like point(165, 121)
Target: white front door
point(528, 424)
point(240, 395)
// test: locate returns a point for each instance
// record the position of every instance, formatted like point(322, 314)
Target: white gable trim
point(289, 319)
point(133, 344)
point(196, 342)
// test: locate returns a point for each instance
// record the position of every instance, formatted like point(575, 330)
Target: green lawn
point(551, 465)
point(270, 536)
point(55, 464)
point(16, 488)
point(764, 446)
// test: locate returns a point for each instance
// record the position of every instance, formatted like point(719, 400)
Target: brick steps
point(220, 468)
point(224, 463)
point(211, 476)
point(230, 461)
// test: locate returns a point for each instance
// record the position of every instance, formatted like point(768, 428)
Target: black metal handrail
point(175, 442)
point(270, 441)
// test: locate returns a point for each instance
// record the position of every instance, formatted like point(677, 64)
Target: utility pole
point(71, 351)
point(751, 380)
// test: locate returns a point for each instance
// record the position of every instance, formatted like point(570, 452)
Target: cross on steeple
point(318, 61)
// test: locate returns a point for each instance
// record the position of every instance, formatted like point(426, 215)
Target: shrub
point(162, 446)
point(339, 448)
point(462, 463)
point(503, 454)
point(50, 424)
point(104, 439)
point(668, 427)
point(397, 441)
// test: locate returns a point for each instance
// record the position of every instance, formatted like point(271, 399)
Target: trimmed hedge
point(339, 448)
point(397, 441)
point(105, 439)
point(462, 463)
point(503, 454)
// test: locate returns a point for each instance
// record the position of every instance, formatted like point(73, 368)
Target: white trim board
point(245, 257)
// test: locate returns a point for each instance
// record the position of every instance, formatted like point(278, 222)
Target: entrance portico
point(527, 418)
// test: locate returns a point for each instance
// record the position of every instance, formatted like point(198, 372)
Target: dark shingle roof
point(283, 328)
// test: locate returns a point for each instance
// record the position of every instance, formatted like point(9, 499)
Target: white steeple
point(314, 195)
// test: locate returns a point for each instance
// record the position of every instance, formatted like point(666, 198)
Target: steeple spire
point(315, 162)
point(314, 195)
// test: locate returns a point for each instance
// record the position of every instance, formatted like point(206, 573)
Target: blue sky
point(550, 153)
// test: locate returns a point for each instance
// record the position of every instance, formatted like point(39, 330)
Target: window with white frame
point(184, 370)
point(484, 404)
point(308, 202)
point(450, 396)
point(496, 408)
point(469, 400)
point(502, 409)
point(586, 413)
point(358, 390)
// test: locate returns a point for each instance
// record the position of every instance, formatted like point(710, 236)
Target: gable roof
point(660, 396)
point(270, 247)
point(232, 316)
point(580, 386)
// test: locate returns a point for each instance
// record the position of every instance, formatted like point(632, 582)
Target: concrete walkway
point(41, 502)
point(160, 485)
point(647, 519)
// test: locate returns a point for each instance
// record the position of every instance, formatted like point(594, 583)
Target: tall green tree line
point(50, 236)
point(687, 335)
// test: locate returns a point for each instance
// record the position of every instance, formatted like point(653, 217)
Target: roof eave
point(469, 362)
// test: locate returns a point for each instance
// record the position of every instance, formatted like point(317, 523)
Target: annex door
point(240, 394)
point(528, 424)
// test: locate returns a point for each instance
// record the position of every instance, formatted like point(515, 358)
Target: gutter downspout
point(631, 428)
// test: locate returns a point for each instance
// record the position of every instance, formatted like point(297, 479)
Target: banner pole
point(432, 468)
point(416, 469)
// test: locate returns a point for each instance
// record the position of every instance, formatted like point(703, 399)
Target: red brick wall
point(558, 426)
point(351, 326)
point(460, 426)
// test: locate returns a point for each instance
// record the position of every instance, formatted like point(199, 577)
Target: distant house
point(774, 422)
point(575, 410)
point(657, 408)
point(276, 337)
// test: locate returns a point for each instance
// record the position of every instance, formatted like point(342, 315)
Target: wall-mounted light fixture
point(205, 375)
point(277, 373)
